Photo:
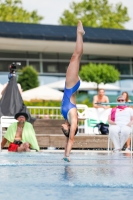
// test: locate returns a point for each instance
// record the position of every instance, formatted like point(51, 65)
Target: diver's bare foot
point(67, 159)
point(80, 28)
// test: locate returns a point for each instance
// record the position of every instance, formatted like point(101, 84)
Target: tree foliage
point(99, 73)
point(96, 13)
point(12, 11)
point(28, 78)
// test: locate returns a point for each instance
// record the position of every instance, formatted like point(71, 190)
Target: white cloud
point(53, 9)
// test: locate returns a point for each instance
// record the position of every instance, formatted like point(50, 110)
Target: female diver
point(68, 107)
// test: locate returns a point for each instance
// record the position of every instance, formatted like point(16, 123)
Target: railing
point(45, 112)
point(53, 112)
point(84, 114)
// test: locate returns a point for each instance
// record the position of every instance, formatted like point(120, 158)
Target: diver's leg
point(66, 143)
point(66, 158)
point(73, 128)
point(73, 68)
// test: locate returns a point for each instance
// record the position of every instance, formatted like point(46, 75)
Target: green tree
point(99, 73)
point(96, 13)
point(12, 11)
point(28, 78)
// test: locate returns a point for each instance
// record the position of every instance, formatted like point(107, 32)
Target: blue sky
point(53, 9)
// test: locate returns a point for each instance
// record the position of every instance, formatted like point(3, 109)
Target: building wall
point(52, 66)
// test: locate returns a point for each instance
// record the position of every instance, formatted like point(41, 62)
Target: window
point(50, 56)
point(12, 54)
point(63, 66)
point(65, 56)
point(107, 58)
point(50, 67)
point(99, 57)
point(4, 65)
point(85, 57)
point(32, 55)
point(124, 69)
point(23, 64)
point(36, 65)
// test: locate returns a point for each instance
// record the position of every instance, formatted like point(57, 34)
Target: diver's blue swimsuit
point(66, 104)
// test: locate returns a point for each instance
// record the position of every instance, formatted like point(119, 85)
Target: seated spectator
point(100, 98)
point(120, 121)
point(126, 96)
point(20, 135)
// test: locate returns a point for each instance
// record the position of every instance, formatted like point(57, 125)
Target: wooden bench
point(49, 134)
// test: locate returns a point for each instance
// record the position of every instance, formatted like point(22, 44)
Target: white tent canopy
point(42, 93)
point(84, 86)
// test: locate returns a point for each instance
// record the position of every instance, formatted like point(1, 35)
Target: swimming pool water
point(39, 176)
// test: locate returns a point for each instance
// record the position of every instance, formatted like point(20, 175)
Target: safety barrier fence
point(88, 116)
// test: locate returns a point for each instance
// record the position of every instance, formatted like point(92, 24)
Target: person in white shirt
point(120, 121)
point(126, 96)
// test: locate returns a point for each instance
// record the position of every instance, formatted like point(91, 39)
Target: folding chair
point(110, 142)
point(6, 121)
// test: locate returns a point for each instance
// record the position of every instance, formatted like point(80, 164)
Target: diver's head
point(66, 129)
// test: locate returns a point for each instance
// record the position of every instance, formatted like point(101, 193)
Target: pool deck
point(75, 151)
point(51, 139)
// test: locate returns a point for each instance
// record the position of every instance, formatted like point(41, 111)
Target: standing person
point(126, 96)
point(12, 73)
point(11, 101)
point(68, 107)
point(100, 98)
point(120, 121)
point(5, 86)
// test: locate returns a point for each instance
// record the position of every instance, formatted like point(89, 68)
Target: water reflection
point(68, 173)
